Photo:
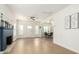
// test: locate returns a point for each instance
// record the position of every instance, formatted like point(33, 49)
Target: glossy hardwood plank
point(37, 45)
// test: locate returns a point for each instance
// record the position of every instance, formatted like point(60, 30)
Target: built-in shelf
point(6, 34)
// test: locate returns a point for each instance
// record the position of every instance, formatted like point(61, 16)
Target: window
point(21, 29)
point(46, 29)
point(29, 27)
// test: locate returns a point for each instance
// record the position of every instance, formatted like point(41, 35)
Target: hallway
point(37, 45)
point(39, 29)
point(30, 23)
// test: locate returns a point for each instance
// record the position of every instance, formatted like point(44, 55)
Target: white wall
point(25, 32)
point(68, 38)
point(8, 14)
point(29, 32)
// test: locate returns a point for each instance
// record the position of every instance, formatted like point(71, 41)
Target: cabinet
point(6, 34)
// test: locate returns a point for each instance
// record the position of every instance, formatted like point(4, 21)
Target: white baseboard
point(27, 37)
point(8, 48)
point(66, 47)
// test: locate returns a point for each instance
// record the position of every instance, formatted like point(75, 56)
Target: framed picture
point(68, 22)
point(75, 21)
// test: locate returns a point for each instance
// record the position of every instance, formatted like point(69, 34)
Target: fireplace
point(9, 40)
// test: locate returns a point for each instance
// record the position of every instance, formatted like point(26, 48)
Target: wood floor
point(37, 46)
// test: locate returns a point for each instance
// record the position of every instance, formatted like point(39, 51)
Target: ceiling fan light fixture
point(33, 18)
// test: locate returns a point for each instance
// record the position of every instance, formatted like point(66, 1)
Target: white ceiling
point(40, 11)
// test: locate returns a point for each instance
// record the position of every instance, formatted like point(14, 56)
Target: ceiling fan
point(33, 18)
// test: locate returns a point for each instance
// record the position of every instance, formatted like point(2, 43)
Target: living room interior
point(39, 28)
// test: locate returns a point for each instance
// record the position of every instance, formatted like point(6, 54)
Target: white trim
point(66, 47)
